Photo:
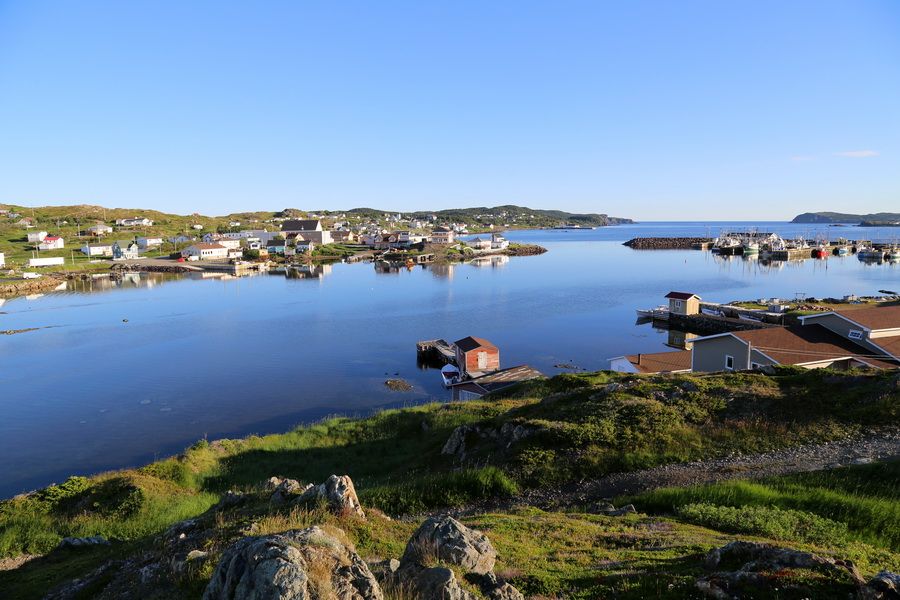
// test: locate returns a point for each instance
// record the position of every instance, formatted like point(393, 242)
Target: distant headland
point(884, 219)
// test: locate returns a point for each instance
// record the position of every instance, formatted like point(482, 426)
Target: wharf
point(705, 324)
point(789, 254)
point(440, 351)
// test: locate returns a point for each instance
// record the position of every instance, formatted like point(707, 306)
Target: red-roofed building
point(683, 303)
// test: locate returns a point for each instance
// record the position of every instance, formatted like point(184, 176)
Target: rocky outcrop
point(884, 586)
point(308, 564)
point(465, 436)
point(758, 560)
point(609, 510)
point(338, 493)
point(446, 541)
point(285, 490)
point(81, 542)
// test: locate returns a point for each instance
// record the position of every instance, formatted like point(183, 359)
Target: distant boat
point(842, 251)
point(751, 248)
point(450, 375)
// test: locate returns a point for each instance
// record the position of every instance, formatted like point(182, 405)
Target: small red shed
point(476, 355)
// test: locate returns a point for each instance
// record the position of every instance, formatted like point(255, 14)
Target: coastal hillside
point(580, 486)
point(883, 218)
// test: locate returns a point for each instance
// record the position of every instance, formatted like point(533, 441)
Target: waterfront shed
point(683, 303)
point(476, 355)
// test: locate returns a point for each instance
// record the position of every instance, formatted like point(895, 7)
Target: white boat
point(450, 375)
point(660, 312)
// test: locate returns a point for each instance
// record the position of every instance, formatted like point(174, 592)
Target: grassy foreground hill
point(482, 459)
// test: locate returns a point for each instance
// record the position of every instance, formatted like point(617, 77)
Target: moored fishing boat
point(449, 375)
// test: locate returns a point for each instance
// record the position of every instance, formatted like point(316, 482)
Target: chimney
point(640, 356)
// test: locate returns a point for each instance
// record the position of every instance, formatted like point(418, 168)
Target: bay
point(118, 376)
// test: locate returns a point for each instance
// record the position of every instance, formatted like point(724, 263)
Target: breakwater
point(666, 243)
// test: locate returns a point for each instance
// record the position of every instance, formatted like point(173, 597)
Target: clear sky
point(653, 110)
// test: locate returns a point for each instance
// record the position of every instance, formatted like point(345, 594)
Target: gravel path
point(868, 447)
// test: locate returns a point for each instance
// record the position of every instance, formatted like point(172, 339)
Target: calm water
point(120, 376)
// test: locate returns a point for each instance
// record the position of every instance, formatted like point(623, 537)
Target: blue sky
point(652, 110)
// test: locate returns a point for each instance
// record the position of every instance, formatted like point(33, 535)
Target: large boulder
point(338, 493)
point(437, 583)
point(444, 539)
point(307, 564)
point(286, 489)
point(884, 586)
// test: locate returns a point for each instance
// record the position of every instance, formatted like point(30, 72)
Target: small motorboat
point(660, 313)
point(842, 251)
point(819, 252)
point(450, 375)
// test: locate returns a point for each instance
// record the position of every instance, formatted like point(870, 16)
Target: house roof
point(51, 238)
point(502, 378)
point(800, 345)
point(661, 362)
point(100, 245)
point(682, 295)
point(891, 345)
point(203, 246)
point(300, 225)
point(877, 317)
point(441, 229)
point(469, 343)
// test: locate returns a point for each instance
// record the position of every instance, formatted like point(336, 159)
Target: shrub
point(778, 523)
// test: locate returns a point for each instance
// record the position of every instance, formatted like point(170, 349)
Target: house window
point(729, 362)
point(855, 334)
point(678, 305)
point(482, 361)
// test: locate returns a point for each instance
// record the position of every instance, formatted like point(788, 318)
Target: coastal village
point(275, 239)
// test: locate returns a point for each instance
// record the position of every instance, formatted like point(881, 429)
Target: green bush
point(770, 521)
point(417, 495)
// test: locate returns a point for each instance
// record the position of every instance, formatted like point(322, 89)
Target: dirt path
point(869, 447)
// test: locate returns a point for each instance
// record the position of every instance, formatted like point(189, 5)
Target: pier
point(436, 351)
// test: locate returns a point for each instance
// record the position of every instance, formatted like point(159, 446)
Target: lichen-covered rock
point(286, 490)
point(307, 564)
point(338, 493)
point(496, 589)
point(884, 586)
point(758, 561)
point(81, 542)
point(437, 583)
point(446, 539)
point(385, 571)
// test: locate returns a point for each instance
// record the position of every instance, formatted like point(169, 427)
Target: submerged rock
point(307, 564)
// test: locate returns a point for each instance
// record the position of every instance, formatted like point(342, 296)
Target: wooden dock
point(440, 351)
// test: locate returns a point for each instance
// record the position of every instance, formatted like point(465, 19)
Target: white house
point(145, 243)
point(52, 242)
point(2, 260)
point(36, 236)
point(134, 222)
point(205, 251)
point(304, 246)
point(197, 226)
point(46, 262)
point(479, 244)
point(308, 229)
point(237, 254)
point(442, 235)
point(498, 242)
point(101, 249)
point(230, 244)
point(125, 250)
point(99, 229)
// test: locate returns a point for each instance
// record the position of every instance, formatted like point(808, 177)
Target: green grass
point(862, 498)
point(582, 425)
